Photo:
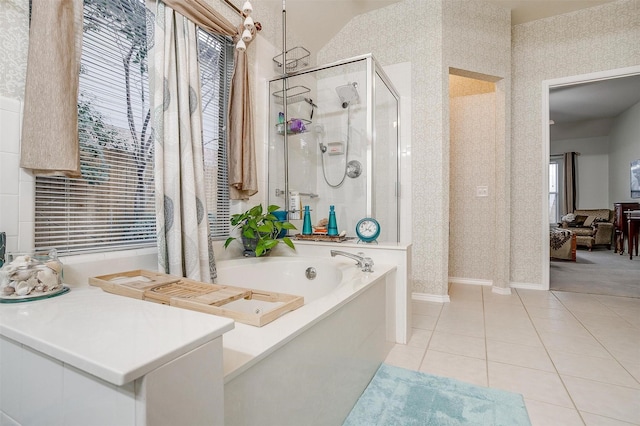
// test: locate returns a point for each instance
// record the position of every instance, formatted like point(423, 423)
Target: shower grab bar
point(280, 193)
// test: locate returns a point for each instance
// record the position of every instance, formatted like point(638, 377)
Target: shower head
point(348, 93)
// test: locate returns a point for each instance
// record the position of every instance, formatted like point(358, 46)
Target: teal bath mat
point(401, 397)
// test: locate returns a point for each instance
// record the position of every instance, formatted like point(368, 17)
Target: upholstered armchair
point(592, 227)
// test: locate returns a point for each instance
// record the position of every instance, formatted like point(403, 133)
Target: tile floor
point(574, 357)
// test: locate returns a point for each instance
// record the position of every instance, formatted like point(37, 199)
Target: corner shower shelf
point(280, 127)
point(294, 94)
point(296, 58)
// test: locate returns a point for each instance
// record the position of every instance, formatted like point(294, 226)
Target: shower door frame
point(373, 68)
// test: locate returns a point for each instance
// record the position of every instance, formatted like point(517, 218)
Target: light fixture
point(248, 23)
point(247, 8)
point(241, 46)
point(246, 35)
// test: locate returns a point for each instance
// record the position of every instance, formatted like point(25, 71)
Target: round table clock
point(368, 229)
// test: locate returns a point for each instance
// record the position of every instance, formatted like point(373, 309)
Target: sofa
point(592, 227)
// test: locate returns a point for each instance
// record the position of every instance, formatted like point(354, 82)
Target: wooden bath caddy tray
point(244, 305)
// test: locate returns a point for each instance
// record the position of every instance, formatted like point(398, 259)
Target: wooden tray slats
point(197, 296)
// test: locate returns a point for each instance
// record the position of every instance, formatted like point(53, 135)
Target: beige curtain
point(243, 179)
point(569, 205)
point(50, 121)
point(242, 157)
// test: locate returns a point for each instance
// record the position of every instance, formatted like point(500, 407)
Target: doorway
point(478, 242)
point(590, 200)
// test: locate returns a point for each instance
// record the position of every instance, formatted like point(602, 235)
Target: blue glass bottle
point(332, 227)
point(306, 224)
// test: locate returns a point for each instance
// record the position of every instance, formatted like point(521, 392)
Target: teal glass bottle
point(332, 227)
point(306, 224)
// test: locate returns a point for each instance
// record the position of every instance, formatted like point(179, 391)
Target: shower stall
point(334, 140)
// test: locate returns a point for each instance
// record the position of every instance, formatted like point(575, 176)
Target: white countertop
point(115, 338)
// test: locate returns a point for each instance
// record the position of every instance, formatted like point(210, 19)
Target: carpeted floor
point(600, 271)
point(401, 397)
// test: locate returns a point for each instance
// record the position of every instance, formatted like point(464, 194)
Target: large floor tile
point(424, 322)
point(539, 299)
point(490, 297)
point(466, 369)
point(458, 344)
point(532, 384)
point(543, 414)
point(592, 320)
point(459, 292)
point(593, 368)
point(513, 334)
point(570, 327)
point(616, 302)
point(551, 313)
point(404, 356)
point(620, 346)
point(595, 420)
point(521, 355)
point(631, 365)
point(592, 306)
point(462, 327)
point(420, 338)
point(462, 313)
point(630, 315)
point(426, 308)
point(584, 345)
point(616, 402)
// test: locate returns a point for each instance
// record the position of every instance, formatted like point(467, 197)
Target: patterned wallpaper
point(596, 39)
point(478, 38)
point(14, 38)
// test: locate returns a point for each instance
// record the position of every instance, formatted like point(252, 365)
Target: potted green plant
point(259, 230)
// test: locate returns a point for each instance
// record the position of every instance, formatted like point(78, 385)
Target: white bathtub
point(310, 365)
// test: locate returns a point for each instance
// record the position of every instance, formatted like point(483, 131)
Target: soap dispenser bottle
point(332, 227)
point(306, 224)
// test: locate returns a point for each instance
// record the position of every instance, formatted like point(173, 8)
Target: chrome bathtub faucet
point(365, 263)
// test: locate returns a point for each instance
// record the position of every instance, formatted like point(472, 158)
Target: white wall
point(592, 170)
point(625, 147)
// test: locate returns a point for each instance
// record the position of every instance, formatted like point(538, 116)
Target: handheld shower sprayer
point(323, 147)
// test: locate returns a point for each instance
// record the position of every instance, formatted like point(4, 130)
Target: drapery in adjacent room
point(184, 244)
point(49, 144)
point(569, 201)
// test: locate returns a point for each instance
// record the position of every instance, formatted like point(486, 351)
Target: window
point(216, 69)
point(111, 207)
point(555, 193)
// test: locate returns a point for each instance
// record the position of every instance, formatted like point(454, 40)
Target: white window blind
point(112, 206)
point(216, 69)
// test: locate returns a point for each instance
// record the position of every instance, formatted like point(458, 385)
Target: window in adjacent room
point(112, 206)
point(555, 192)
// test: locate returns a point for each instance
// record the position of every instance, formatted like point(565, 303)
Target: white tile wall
point(16, 186)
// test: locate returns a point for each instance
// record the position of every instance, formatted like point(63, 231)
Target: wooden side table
point(633, 227)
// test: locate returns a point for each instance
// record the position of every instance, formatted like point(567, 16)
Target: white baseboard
point(528, 286)
point(471, 281)
point(501, 290)
point(425, 297)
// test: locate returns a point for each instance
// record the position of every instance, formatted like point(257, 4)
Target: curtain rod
point(234, 7)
